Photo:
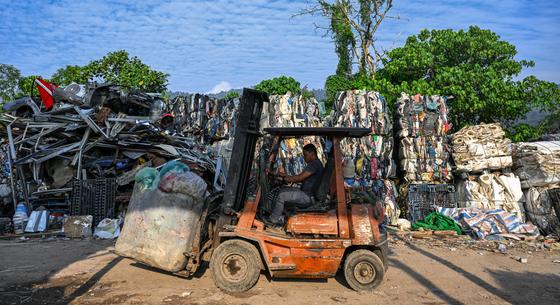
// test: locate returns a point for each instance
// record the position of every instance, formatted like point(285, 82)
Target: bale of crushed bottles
point(422, 126)
point(162, 216)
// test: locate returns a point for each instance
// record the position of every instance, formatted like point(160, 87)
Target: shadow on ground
point(513, 287)
point(24, 265)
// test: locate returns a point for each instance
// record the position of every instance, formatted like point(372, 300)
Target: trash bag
point(147, 178)
point(173, 167)
point(187, 183)
point(77, 226)
point(108, 229)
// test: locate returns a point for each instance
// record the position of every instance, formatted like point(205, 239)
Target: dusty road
point(421, 272)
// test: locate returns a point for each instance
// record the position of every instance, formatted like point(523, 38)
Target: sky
point(210, 46)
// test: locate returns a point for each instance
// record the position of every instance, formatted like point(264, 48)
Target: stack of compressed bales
point(421, 128)
point(369, 158)
point(481, 147)
point(538, 166)
point(291, 110)
point(482, 156)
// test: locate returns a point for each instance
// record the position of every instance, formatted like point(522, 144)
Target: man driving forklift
point(301, 197)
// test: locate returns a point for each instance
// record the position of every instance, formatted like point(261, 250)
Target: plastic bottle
point(20, 218)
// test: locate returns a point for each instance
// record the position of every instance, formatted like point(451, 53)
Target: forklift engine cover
point(313, 223)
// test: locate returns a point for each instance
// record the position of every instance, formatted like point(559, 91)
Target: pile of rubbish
point(483, 160)
point(481, 147)
point(202, 117)
point(368, 161)
point(537, 163)
point(100, 134)
point(293, 110)
point(538, 166)
point(162, 216)
point(423, 147)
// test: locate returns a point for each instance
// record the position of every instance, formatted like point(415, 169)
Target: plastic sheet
point(108, 229)
point(186, 183)
point(484, 223)
point(38, 221)
point(147, 178)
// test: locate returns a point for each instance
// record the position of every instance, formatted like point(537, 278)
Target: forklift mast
point(246, 136)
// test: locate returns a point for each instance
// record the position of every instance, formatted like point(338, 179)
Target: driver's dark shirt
point(316, 169)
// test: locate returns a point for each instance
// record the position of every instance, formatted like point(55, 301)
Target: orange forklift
point(336, 232)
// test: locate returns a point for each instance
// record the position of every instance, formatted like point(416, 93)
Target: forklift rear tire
point(363, 270)
point(235, 266)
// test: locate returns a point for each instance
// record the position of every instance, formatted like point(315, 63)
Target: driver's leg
point(290, 194)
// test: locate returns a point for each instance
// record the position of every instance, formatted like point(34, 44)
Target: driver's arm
point(298, 178)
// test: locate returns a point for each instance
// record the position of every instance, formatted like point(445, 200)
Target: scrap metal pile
point(105, 132)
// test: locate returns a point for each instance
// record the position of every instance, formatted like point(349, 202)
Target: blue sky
point(212, 45)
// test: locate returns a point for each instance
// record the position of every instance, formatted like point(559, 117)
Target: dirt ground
point(451, 271)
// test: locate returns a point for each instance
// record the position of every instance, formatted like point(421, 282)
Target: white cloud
point(220, 87)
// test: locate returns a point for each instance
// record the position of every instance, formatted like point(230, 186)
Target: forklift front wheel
point(363, 270)
point(235, 266)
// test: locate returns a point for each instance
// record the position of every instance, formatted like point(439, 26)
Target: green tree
point(476, 67)
point(27, 86)
point(9, 76)
point(279, 85)
point(231, 95)
point(116, 68)
point(119, 68)
point(70, 74)
point(353, 26)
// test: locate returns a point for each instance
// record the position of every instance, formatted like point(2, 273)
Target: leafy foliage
point(476, 67)
point(231, 95)
point(279, 85)
point(117, 68)
point(524, 132)
point(334, 84)
point(353, 27)
point(9, 77)
point(27, 86)
point(70, 74)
